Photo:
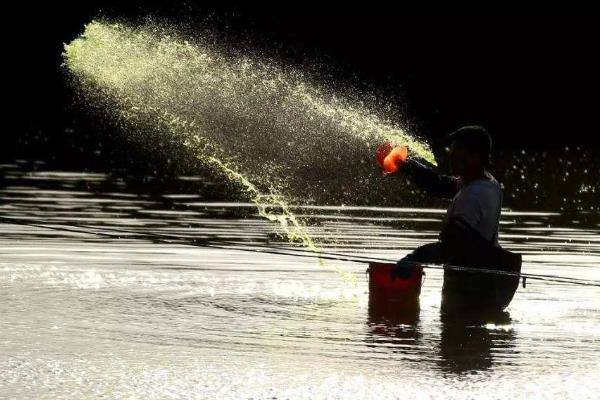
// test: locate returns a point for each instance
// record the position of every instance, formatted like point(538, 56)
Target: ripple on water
point(127, 315)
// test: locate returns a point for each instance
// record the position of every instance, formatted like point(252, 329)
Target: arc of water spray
point(233, 113)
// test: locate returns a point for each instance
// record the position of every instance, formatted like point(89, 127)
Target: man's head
point(470, 150)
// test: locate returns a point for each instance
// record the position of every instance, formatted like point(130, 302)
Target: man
point(469, 237)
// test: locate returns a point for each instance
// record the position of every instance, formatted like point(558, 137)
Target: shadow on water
point(471, 342)
point(394, 324)
point(468, 343)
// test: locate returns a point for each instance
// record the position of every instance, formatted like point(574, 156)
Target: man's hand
point(403, 268)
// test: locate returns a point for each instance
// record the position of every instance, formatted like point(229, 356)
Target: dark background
point(532, 81)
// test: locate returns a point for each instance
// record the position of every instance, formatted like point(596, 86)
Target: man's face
point(458, 159)
point(464, 162)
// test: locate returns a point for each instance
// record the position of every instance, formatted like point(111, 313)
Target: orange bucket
point(400, 290)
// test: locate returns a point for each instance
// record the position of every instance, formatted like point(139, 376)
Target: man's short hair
point(474, 138)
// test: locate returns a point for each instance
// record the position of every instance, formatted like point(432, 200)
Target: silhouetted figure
point(469, 237)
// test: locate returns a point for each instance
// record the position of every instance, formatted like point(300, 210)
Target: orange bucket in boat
point(401, 290)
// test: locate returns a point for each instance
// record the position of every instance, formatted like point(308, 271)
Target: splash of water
point(269, 130)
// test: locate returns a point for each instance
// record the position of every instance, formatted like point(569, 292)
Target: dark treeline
point(533, 81)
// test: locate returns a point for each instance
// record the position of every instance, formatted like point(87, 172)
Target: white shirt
point(478, 204)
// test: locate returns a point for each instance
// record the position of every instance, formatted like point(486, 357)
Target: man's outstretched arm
point(434, 184)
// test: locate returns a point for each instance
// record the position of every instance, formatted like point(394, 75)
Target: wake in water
point(278, 136)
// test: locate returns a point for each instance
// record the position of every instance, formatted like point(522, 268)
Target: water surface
point(128, 313)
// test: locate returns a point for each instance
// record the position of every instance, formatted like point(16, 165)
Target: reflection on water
point(397, 326)
point(136, 310)
point(468, 342)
